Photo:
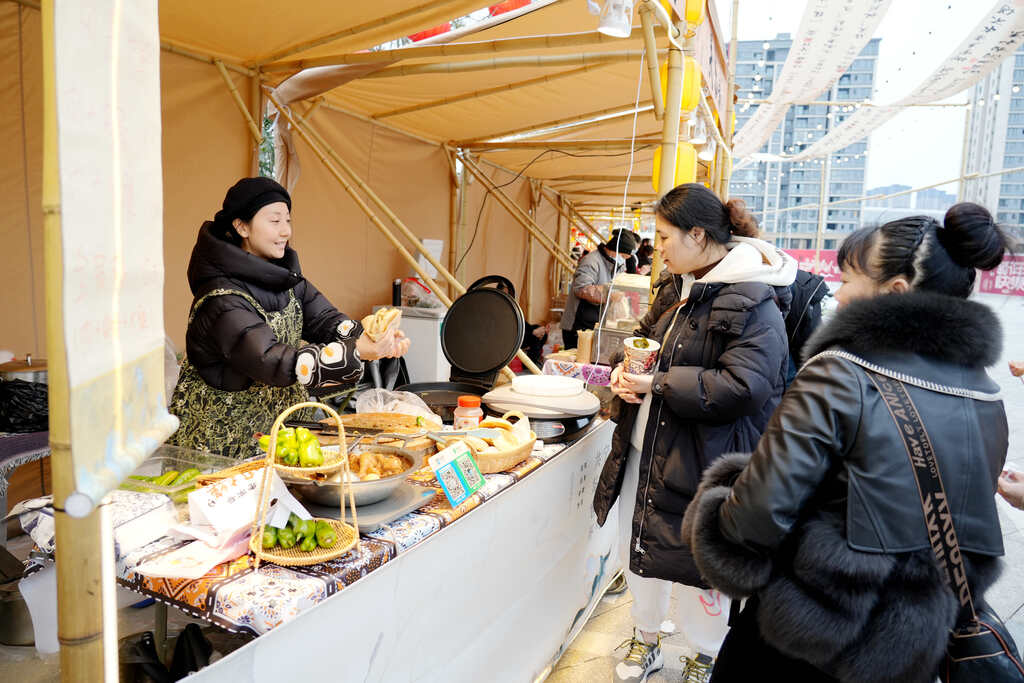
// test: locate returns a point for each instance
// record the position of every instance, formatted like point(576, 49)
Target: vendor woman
point(260, 336)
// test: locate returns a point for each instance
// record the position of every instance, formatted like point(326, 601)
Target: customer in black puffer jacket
point(823, 529)
point(719, 319)
point(252, 309)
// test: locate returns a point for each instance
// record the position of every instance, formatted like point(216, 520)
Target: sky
point(919, 146)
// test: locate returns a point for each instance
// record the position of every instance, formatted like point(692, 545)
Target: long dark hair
point(931, 256)
point(691, 204)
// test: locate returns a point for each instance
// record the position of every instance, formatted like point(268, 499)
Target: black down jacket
point(719, 377)
point(229, 342)
point(825, 523)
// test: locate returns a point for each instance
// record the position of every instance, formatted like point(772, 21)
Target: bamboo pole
point(650, 46)
point(495, 63)
point(377, 22)
point(594, 193)
point(730, 106)
point(613, 144)
point(517, 213)
point(80, 584)
point(373, 121)
point(182, 51)
point(460, 271)
point(310, 137)
point(530, 44)
point(528, 284)
point(598, 178)
point(31, 4)
point(517, 85)
point(453, 211)
point(590, 226)
point(314, 105)
point(253, 128)
point(584, 226)
point(575, 122)
point(670, 134)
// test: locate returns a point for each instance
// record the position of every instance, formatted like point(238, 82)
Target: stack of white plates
point(544, 396)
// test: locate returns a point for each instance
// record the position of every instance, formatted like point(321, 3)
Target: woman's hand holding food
point(619, 387)
point(392, 344)
point(638, 384)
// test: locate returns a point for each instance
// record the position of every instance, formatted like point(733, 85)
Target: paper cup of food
point(641, 353)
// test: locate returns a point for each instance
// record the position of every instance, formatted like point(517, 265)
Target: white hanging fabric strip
point(994, 39)
point(830, 37)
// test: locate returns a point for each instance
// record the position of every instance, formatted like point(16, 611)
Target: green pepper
point(264, 441)
point(286, 438)
point(303, 435)
point(288, 456)
point(182, 495)
point(285, 537)
point(166, 478)
point(306, 529)
point(269, 537)
point(139, 477)
point(186, 476)
point(293, 520)
point(310, 454)
point(308, 544)
point(325, 535)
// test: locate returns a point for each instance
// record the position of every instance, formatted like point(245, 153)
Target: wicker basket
point(489, 463)
point(348, 537)
point(293, 557)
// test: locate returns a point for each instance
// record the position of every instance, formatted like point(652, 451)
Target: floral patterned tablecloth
point(236, 598)
point(599, 375)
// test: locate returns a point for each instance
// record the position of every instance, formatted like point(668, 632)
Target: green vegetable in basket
point(286, 438)
point(325, 535)
point(186, 476)
point(269, 537)
point(288, 456)
point(308, 544)
point(166, 478)
point(306, 529)
point(264, 441)
point(303, 435)
point(285, 537)
point(310, 454)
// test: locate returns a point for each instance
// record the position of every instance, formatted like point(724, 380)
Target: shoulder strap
point(224, 292)
point(937, 514)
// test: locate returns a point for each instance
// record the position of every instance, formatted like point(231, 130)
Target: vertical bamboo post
point(233, 89)
point(670, 135)
point(729, 94)
point(460, 238)
point(453, 212)
point(79, 562)
point(256, 110)
point(651, 48)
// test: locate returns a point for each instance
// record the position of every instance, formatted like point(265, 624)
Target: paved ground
point(591, 658)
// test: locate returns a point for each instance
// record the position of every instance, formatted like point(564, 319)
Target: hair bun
point(743, 223)
point(971, 238)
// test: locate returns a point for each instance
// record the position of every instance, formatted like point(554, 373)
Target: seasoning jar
point(468, 415)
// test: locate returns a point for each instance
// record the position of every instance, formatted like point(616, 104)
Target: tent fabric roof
point(242, 33)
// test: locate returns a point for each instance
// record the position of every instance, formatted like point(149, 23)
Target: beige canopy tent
point(389, 124)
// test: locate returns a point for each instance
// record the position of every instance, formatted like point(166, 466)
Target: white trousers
point(701, 615)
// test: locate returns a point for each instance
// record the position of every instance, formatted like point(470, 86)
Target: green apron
point(222, 421)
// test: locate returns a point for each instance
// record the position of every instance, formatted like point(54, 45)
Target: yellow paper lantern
point(691, 83)
point(695, 10)
point(686, 165)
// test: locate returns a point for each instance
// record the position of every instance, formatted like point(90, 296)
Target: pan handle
point(502, 284)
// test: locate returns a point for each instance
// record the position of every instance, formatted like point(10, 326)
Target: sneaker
point(641, 661)
point(697, 669)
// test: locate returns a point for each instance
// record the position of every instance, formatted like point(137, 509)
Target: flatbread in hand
point(377, 324)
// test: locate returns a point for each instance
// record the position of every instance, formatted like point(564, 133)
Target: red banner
point(828, 267)
point(1008, 278)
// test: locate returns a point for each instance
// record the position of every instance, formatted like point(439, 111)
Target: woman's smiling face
point(267, 234)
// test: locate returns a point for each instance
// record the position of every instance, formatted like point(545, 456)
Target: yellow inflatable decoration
point(694, 10)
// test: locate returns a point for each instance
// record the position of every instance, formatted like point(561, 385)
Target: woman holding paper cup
point(252, 308)
point(717, 325)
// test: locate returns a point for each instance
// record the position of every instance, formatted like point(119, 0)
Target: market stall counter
point(494, 589)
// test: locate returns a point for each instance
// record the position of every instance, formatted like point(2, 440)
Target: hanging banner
point(826, 265)
point(994, 39)
point(830, 37)
point(107, 63)
point(711, 58)
point(1006, 278)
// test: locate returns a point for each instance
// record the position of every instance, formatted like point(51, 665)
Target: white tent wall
point(21, 181)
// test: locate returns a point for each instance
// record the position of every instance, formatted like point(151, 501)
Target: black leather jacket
point(833, 446)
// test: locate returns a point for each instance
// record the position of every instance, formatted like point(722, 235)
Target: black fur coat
point(823, 523)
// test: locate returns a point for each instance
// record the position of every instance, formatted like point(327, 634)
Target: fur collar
point(941, 327)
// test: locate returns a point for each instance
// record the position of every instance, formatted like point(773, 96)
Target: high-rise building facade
point(768, 187)
point(995, 141)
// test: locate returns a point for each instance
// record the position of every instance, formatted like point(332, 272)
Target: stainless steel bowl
point(328, 491)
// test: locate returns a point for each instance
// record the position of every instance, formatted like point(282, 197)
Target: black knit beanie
point(243, 200)
point(622, 241)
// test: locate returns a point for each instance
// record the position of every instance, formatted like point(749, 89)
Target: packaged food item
point(469, 414)
point(641, 354)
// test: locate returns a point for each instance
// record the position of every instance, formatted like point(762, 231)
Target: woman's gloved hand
point(393, 344)
point(324, 368)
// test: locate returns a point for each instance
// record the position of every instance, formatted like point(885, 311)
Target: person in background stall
point(590, 284)
point(644, 257)
point(718, 315)
point(251, 310)
point(822, 527)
